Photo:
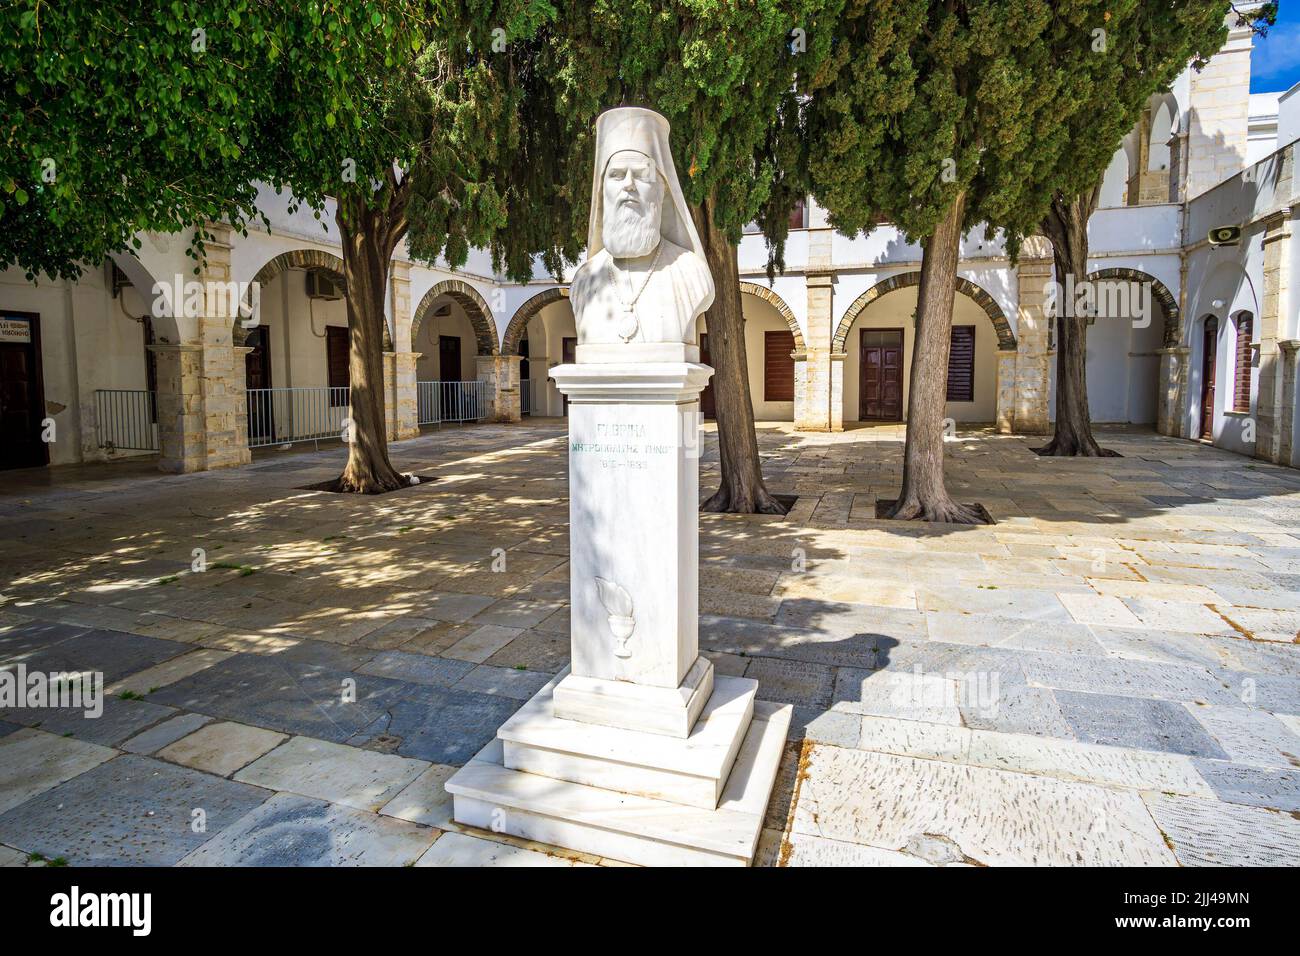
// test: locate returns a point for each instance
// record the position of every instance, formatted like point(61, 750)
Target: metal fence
point(125, 418)
point(282, 416)
point(452, 401)
point(525, 397)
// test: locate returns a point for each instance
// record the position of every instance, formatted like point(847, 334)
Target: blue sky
point(1275, 61)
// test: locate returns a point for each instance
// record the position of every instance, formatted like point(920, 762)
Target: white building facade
point(105, 367)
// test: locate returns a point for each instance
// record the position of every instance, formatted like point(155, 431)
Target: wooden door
point(1210, 363)
point(257, 376)
point(22, 394)
point(707, 409)
point(449, 358)
point(880, 386)
point(449, 374)
point(568, 355)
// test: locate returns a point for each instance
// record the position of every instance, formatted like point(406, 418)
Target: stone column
point(1274, 305)
point(400, 388)
point(1173, 379)
point(1290, 357)
point(502, 374)
point(225, 402)
point(390, 395)
point(1006, 400)
point(816, 374)
point(1033, 357)
point(180, 408)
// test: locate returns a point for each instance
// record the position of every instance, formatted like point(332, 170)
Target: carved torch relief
point(618, 605)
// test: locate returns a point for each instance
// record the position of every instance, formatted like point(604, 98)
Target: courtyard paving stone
point(516, 683)
point(119, 720)
point(439, 725)
point(1251, 736)
point(416, 668)
point(425, 800)
point(334, 772)
point(221, 748)
point(167, 732)
point(458, 849)
point(111, 653)
point(1255, 786)
point(1211, 833)
point(130, 810)
point(286, 696)
point(291, 830)
point(1137, 723)
point(990, 816)
point(33, 761)
point(1121, 646)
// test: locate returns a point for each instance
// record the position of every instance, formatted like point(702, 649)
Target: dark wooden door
point(707, 409)
point(257, 375)
point(22, 394)
point(568, 355)
point(449, 358)
point(449, 374)
point(880, 386)
point(1209, 355)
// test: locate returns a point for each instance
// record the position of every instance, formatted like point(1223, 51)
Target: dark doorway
point(568, 355)
point(257, 380)
point(707, 408)
point(449, 375)
point(880, 385)
point(449, 358)
point(1209, 363)
point(22, 393)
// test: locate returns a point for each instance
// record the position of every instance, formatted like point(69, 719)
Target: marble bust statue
point(646, 280)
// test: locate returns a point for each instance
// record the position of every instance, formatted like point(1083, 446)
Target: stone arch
point(1006, 338)
point(163, 317)
point(774, 300)
point(476, 310)
point(525, 313)
point(302, 259)
point(1173, 330)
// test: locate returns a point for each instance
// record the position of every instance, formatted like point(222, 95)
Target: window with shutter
point(1241, 378)
point(336, 360)
point(778, 367)
point(961, 364)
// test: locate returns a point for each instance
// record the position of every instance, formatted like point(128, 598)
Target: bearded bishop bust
point(645, 281)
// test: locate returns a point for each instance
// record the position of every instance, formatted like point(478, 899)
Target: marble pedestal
point(637, 752)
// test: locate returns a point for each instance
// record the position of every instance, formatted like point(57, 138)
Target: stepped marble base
point(635, 827)
point(691, 770)
point(656, 710)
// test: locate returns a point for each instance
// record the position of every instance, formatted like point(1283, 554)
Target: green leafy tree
point(936, 116)
point(121, 118)
point(723, 74)
point(1136, 50)
point(435, 160)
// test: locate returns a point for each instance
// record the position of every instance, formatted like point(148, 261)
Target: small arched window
point(1241, 374)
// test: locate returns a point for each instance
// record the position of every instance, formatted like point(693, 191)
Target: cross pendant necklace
point(628, 325)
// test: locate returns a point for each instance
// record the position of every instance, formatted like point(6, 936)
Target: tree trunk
point(369, 236)
point(924, 496)
point(1066, 227)
point(741, 489)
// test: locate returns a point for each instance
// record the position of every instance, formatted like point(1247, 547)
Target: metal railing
point(282, 416)
point(452, 401)
point(124, 418)
point(525, 397)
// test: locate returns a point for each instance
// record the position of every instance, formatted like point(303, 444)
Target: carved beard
point(631, 232)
